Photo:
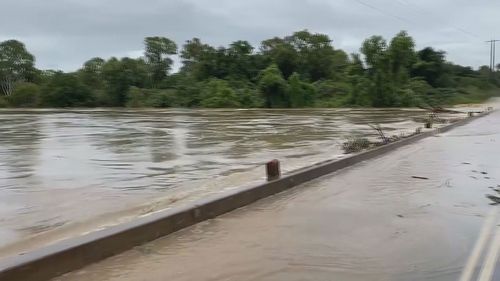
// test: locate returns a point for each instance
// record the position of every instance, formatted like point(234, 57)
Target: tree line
point(299, 70)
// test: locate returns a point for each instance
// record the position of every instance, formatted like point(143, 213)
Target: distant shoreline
point(301, 70)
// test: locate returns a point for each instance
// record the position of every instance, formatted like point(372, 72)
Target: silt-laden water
point(59, 168)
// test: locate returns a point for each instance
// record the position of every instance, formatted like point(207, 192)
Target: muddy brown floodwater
point(61, 169)
point(413, 214)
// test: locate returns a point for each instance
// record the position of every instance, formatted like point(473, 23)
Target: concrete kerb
point(74, 253)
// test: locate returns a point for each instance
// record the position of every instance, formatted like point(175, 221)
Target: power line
point(384, 12)
point(416, 7)
point(423, 11)
point(466, 32)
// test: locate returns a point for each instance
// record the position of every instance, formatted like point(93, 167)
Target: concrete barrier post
point(273, 170)
point(430, 120)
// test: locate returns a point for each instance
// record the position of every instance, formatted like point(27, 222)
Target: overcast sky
point(62, 34)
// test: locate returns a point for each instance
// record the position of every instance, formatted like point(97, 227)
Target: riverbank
point(470, 100)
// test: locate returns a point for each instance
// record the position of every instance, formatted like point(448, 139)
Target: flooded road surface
point(413, 214)
point(62, 168)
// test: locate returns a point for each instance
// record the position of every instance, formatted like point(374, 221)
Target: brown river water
point(61, 169)
point(417, 213)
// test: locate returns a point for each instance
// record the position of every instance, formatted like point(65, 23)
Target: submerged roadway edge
point(71, 254)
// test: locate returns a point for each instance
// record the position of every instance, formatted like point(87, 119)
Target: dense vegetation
point(300, 70)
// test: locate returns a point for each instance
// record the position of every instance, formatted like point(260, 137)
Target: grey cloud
point(64, 33)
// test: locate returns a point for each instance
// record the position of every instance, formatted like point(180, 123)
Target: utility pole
point(492, 53)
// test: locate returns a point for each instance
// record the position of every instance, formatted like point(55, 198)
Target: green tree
point(150, 97)
point(187, 89)
point(158, 50)
point(383, 91)
point(91, 72)
point(281, 53)
point(162, 98)
point(376, 58)
point(330, 93)
point(25, 95)
point(66, 90)
point(299, 70)
point(374, 49)
point(237, 62)
point(218, 94)
point(300, 94)
point(119, 75)
point(361, 91)
point(240, 61)
point(402, 56)
point(339, 66)
point(388, 67)
point(16, 64)
point(429, 66)
point(198, 59)
point(273, 86)
point(3, 102)
point(249, 97)
point(317, 58)
point(309, 54)
point(355, 66)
